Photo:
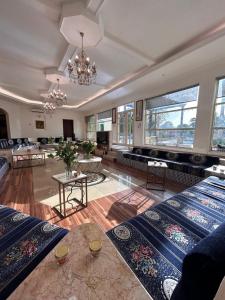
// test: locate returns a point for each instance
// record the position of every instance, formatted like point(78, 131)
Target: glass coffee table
point(27, 158)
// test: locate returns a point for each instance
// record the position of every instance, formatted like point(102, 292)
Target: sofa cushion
point(198, 159)
point(153, 153)
point(172, 155)
point(138, 151)
point(203, 268)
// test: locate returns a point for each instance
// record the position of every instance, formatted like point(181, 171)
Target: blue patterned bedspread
point(24, 242)
point(155, 242)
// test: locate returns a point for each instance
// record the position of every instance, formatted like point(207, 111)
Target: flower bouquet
point(67, 152)
point(88, 147)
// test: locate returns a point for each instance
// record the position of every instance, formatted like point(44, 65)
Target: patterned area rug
point(155, 242)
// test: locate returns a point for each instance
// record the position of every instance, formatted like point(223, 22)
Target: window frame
point(126, 112)
point(215, 105)
point(171, 129)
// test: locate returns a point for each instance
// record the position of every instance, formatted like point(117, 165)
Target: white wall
point(22, 121)
point(206, 78)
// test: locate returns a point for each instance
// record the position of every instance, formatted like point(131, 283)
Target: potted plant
point(88, 147)
point(67, 152)
point(51, 140)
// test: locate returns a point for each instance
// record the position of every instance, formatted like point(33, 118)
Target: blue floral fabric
point(155, 242)
point(24, 242)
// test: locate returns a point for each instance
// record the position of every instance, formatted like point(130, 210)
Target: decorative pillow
point(19, 141)
point(44, 141)
point(153, 153)
point(10, 142)
point(172, 155)
point(26, 141)
point(198, 159)
point(138, 151)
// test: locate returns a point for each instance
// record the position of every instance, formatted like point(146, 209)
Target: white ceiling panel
point(155, 27)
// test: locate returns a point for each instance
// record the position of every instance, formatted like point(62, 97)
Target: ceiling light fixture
point(57, 96)
point(49, 107)
point(81, 70)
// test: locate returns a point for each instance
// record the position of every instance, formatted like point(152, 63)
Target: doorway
point(68, 130)
point(4, 130)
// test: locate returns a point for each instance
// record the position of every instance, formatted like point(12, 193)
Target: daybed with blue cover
point(156, 242)
point(24, 242)
point(183, 167)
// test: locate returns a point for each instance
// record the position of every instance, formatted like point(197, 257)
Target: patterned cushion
point(19, 141)
point(138, 151)
point(26, 141)
point(198, 159)
point(172, 155)
point(10, 142)
point(153, 153)
point(44, 141)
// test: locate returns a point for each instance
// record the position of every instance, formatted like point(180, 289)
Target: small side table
point(63, 182)
point(153, 182)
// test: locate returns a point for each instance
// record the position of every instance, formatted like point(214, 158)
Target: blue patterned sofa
point(24, 242)
point(14, 143)
point(155, 243)
point(3, 166)
point(185, 168)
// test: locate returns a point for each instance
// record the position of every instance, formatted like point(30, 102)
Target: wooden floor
point(16, 191)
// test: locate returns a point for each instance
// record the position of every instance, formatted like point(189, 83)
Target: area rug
point(109, 182)
point(155, 242)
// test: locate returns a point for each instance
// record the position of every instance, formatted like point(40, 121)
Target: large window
point(218, 131)
point(105, 121)
point(126, 124)
point(170, 119)
point(91, 127)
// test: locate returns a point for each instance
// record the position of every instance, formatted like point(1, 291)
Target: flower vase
point(68, 170)
point(87, 155)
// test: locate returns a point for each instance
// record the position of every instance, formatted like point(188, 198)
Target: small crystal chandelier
point(81, 69)
point(49, 107)
point(57, 96)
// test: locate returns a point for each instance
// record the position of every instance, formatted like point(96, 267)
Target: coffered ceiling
point(133, 43)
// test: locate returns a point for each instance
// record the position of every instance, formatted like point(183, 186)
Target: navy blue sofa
point(14, 143)
point(186, 168)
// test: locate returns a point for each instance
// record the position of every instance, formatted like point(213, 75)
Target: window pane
point(169, 112)
point(219, 116)
point(177, 138)
point(218, 130)
point(121, 128)
point(221, 88)
point(183, 96)
point(218, 137)
point(126, 107)
point(130, 128)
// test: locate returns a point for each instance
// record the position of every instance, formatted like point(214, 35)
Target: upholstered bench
point(185, 168)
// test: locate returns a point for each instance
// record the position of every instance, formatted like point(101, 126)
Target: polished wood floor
point(16, 191)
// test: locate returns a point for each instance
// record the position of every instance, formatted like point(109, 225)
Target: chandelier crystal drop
point(57, 96)
point(48, 107)
point(81, 70)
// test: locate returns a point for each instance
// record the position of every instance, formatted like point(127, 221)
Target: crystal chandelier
point(49, 107)
point(57, 96)
point(81, 69)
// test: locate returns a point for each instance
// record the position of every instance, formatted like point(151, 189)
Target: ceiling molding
point(95, 5)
